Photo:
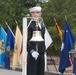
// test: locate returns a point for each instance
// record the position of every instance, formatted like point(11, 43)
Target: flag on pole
point(67, 44)
point(58, 30)
point(17, 49)
point(10, 46)
point(48, 39)
point(61, 37)
point(3, 40)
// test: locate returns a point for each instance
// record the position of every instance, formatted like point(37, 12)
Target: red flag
point(58, 30)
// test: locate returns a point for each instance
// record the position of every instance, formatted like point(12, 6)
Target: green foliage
point(53, 50)
point(11, 10)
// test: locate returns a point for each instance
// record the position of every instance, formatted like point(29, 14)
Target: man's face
point(36, 14)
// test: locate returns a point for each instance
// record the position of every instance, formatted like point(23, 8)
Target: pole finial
point(54, 19)
point(65, 17)
point(6, 23)
point(16, 22)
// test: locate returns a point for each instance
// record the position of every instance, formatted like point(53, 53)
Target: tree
point(11, 10)
point(58, 9)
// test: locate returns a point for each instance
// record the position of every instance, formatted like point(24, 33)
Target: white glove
point(35, 54)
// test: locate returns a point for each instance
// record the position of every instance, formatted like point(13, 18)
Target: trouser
point(35, 67)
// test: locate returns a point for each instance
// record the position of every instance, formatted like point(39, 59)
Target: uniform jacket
point(32, 45)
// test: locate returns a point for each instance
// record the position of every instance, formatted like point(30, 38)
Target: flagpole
point(24, 53)
point(6, 24)
point(9, 28)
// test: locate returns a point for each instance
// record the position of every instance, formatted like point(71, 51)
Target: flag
point(3, 40)
point(67, 44)
point(10, 46)
point(17, 49)
point(61, 37)
point(48, 39)
point(58, 30)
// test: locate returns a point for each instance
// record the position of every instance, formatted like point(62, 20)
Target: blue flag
point(3, 40)
point(67, 44)
point(10, 46)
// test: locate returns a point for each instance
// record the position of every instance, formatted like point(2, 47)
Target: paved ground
point(52, 70)
point(9, 72)
point(53, 67)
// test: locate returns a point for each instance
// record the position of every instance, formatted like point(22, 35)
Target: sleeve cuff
point(32, 51)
